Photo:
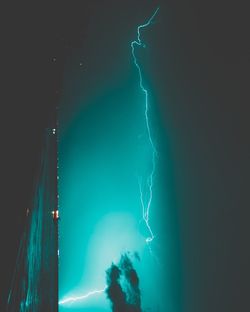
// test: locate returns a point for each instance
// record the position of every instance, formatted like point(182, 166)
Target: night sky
point(199, 76)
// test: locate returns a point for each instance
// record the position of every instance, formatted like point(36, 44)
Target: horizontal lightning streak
point(82, 297)
point(146, 205)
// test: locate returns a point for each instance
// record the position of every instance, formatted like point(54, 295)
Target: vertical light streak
point(146, 204)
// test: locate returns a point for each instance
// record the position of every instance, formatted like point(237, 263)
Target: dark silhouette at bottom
point(123, 286)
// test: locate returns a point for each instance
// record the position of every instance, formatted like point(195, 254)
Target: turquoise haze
point(104, 152)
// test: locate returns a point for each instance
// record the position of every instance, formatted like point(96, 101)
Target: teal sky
point(103, 151)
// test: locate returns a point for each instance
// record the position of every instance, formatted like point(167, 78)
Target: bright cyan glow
point(83, 297)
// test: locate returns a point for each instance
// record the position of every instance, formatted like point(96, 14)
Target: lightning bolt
point(146, 204)
point(78, 298)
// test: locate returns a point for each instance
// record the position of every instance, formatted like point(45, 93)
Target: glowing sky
point(105, 150)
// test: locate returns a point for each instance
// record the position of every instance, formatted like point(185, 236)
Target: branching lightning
point(79, 298)
point(146, 204)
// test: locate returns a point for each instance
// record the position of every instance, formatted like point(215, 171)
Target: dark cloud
point(123, 286)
